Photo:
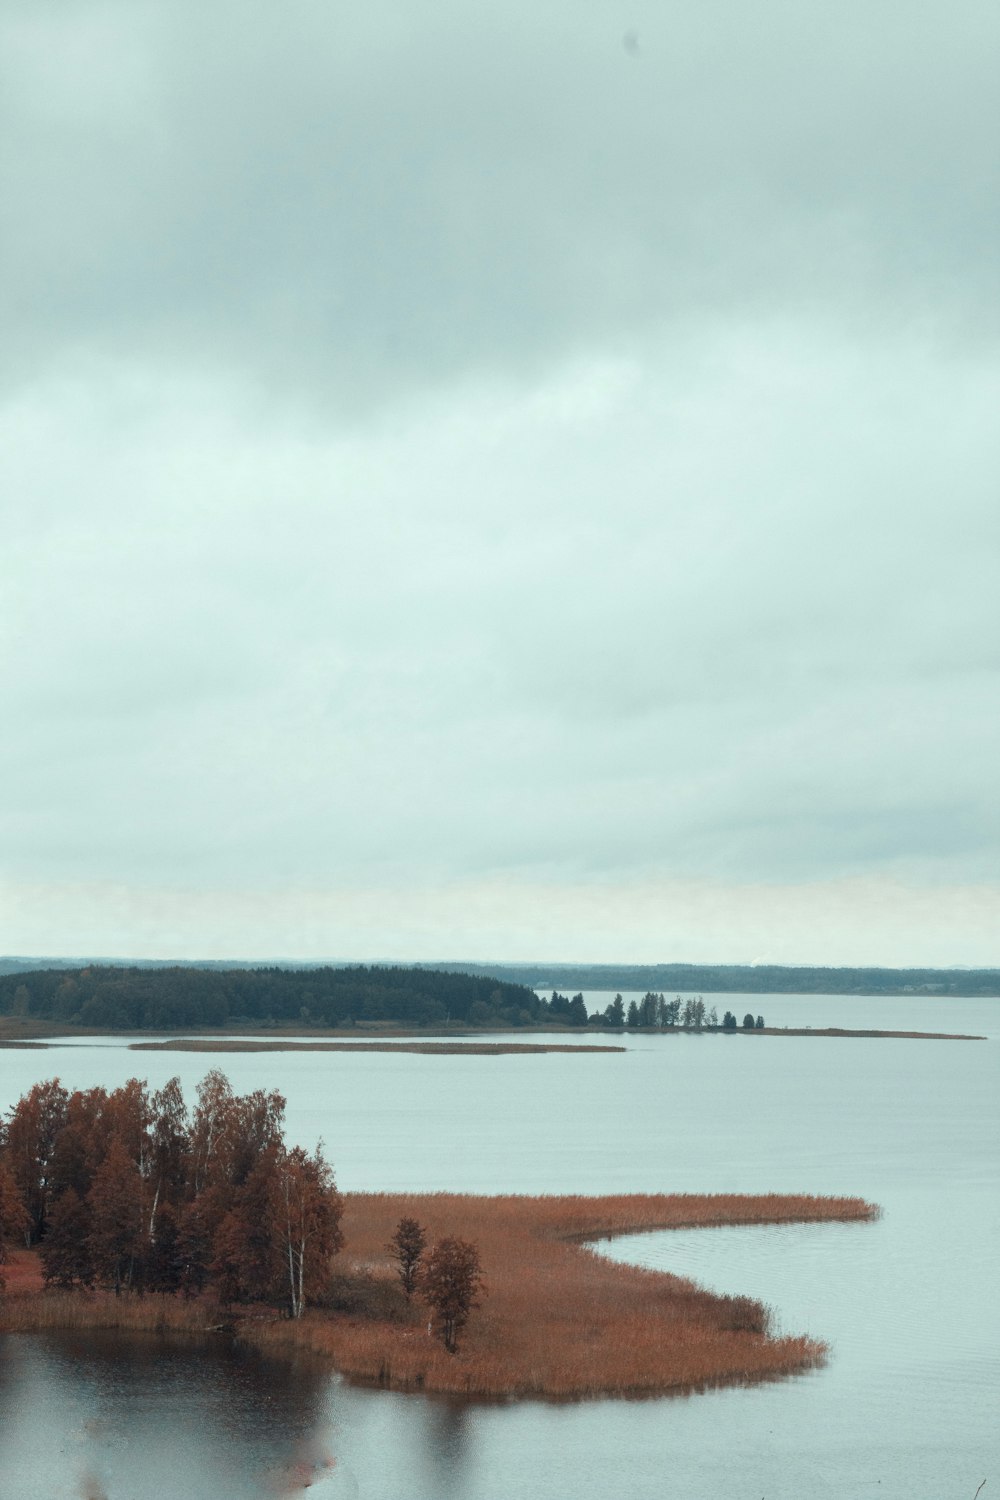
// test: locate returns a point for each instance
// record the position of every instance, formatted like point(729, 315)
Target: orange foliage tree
point(13, 1217)
point(449, 1281)
point(124, 1189)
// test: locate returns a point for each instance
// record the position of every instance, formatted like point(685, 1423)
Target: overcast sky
point(505, 481)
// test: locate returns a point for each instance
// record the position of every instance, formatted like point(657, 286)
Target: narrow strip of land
point(914, 1036)
point(477, 1049)
point(22, 1032)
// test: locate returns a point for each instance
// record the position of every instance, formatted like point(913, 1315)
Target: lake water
point(906, 1408)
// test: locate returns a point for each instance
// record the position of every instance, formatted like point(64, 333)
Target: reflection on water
point(104, 1415)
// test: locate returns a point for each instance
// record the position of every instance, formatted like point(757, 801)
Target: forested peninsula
point(137, 998)
point(126, 1209)
point(387, 999)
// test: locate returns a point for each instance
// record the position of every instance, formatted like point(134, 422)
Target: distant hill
point(741, 979)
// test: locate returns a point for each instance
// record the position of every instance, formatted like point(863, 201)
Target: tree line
point(141, 999)
point(126, 1190)
point(746, 979)
point(129, 1191)
point(654, 1012)
point(138, 999)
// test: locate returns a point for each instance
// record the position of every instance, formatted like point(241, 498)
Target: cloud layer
point(501, 454)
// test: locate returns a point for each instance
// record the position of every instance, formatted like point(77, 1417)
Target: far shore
point(558, 1320)
point(17, 1031)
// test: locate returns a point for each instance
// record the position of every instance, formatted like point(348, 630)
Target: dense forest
point(161, 998)
point(129, 1191)
point(743, 979)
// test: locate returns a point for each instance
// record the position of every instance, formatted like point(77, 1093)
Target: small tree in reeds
point(406, 1248)
point(449, 1281)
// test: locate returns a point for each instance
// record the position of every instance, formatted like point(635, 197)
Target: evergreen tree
point(578, 1011)
point(407, 1247)
point(648, 1009)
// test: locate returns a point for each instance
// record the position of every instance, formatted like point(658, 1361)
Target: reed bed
point(558, 1320)
point(32, 1312)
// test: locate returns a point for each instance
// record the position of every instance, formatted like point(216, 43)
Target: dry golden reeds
point(558, 1320)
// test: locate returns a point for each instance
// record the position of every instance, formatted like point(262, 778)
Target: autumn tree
point(65, 1251)
point(170, 1145)
point(13, 1215)
point(163, 1262)
point(246, 1245)
point(117, 1218)
point(449, 1282)
point(194, 1244)
point(32, 1127)
point(307, 1212)
point(406, 1248)
point(122, 1188)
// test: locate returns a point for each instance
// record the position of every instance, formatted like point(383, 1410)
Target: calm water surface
point(906, 1407)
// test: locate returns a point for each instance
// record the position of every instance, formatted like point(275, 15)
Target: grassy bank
point(558, 1319)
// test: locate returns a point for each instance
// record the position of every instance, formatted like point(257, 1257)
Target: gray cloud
point(362, 202)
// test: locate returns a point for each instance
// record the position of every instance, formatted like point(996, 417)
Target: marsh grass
point(558, 1319)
